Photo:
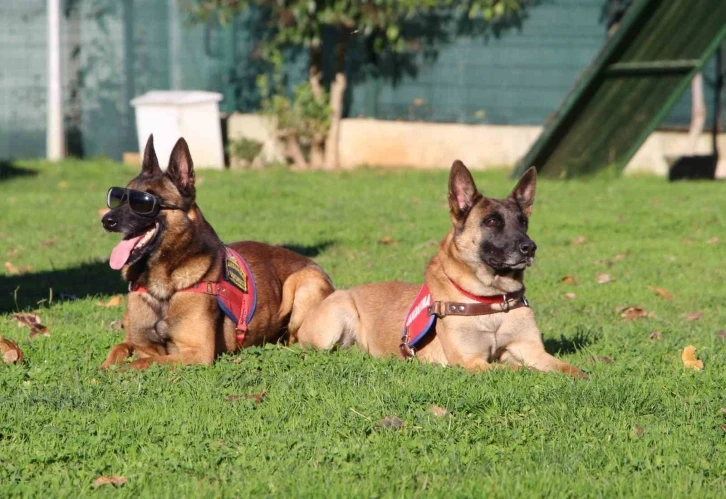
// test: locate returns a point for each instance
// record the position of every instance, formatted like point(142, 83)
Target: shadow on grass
point(9, 171)
point(86, 280)
point(309, 251)
point(564, 345)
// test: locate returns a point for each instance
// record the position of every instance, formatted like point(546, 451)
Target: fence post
point(55, 137)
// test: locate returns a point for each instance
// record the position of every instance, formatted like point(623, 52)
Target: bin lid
point(175, 97)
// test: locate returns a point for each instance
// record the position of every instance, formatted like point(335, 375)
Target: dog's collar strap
point(491, 300)
point(417, 323)
point(235, 290)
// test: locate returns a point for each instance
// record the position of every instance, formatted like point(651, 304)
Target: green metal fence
point(454, 71)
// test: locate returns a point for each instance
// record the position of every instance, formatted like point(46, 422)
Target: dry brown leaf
point(693, 316)
point(655, 335)
point(33, 322)
point(639, 431)
point(116, 481)
point(388, 240)
point(10, 352)
point(11, 269)
point(603, 278)
point(570, 296)
point(438, 411)
point(713, 240)
point(568, 279)
point(721, 334)
point(391, 423)
point(113, 302)
point(631, 313)
point(257, 397)
point(662, 292)
point(723, 427)
point(688, 356)
point(579, 240)
point(48, 242)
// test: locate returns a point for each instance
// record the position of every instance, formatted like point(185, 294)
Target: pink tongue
point(122, 251)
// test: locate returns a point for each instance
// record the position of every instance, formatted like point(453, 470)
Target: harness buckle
point(438, 309)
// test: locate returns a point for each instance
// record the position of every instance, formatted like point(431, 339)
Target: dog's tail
point(302, 292)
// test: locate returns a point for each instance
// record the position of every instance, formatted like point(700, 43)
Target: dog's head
point(488, 231)
point(161, 216)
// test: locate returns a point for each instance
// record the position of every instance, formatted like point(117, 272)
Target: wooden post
point(55, 136)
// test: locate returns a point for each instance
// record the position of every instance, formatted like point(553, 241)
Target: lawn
point(641, 426)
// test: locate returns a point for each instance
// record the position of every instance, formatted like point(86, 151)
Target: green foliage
point(303, 114)
point(642, 426)
point(244, 148)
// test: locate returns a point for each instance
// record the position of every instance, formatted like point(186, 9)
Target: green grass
point(316, 433)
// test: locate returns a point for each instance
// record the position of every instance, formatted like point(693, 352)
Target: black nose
point(109, 221)
point(527, 248)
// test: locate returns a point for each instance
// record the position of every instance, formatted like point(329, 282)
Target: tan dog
point(476, 293)
point(181, 274)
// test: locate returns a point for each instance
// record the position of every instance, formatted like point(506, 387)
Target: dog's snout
point(109, 221)
point(527, 248)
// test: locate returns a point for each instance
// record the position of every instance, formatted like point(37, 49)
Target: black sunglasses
point(140, 202)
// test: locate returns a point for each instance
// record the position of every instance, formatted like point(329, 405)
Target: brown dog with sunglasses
point(191, 296)
point(471, 310)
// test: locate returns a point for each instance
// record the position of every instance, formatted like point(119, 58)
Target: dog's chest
point(475, 336)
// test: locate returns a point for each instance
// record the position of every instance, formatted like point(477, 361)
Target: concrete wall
point(368, 142)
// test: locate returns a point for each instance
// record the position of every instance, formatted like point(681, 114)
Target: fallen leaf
point(693, 316)
point(102, 212)
point(713, 240)
point(257, 397)
point(113, 302)
point(721, 334)
point(116, 481)
point(48, 242)
point(631, 313)
point(391, 422)
point(13, 270)
point(688, 356)
point(568, 279)
point(570, 296)
point(388, 240)
point(579, 240)
point(662, 292)
point(639, 431)
point(655, 335)
point(438, 411)
point(603, 278)
point(10, 351)
point(723, 427)
point(33, 322)
point(600, 358)
point(115, 326)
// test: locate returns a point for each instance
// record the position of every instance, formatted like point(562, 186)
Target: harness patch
point(234, 273)
point(418, 321)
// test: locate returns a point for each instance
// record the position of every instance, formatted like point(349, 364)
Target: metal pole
point(55, 138)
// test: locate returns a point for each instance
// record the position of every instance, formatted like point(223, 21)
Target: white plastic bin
point(193, 115)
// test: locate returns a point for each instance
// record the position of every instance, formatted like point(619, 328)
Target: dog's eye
point(523, 221)
point(493, 222)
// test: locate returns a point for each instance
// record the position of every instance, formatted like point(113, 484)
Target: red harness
point(235, 290)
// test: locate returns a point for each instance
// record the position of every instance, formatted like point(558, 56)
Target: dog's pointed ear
point(463, 194)
point(181, 169)
point(150, 163)
point(523, 193)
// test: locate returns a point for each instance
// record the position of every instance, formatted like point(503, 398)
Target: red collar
point(490, 300)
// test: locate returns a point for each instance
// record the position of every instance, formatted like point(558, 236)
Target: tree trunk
point(698, 113)
point(315, 74)
point(294, 152)
point(337, 93)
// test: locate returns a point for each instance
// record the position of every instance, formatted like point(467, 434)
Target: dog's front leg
point(532, 354)
point(118, 355)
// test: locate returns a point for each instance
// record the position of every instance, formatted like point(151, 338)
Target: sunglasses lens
point(142, 203)
point(115, 197)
